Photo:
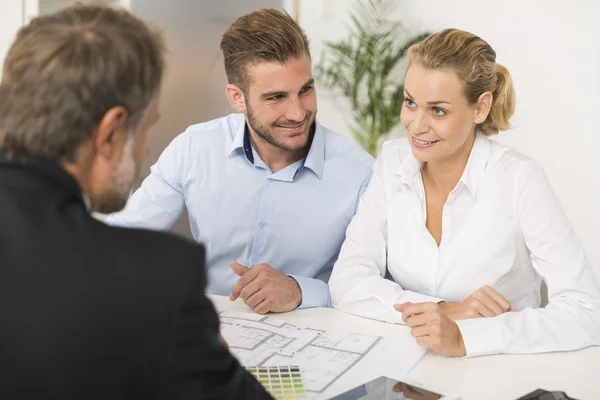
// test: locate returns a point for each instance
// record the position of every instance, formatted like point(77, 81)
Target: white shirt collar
point(410, 166)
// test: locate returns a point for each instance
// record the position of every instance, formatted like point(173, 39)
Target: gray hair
point(65, 70)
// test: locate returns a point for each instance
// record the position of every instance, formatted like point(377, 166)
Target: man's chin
point(111, 203)
point(299, 141)
point(295, 143)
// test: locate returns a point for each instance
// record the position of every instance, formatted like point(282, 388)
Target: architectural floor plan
point(323, 357)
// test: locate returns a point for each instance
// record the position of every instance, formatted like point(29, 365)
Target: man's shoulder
point(151, 247)
point(344, 150)
point(217, 130)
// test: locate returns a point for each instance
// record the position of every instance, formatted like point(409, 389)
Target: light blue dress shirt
point(294, 220)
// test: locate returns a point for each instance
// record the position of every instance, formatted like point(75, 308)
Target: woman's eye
point(439, 112)
point(409, 102)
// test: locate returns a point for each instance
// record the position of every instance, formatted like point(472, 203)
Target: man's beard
point(265, 133)
point(120, 181)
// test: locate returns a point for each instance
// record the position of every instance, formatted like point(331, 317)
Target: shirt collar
point(472, 174)
point(315, 159)
point(238, 130)
point(476, 164)
point(246, 146)
point(409, 168)
point(87, 202)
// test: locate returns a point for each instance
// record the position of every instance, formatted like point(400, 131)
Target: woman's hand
point(432, 328)
point(484, 302)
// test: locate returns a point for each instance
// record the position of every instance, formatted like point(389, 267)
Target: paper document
point(323, 357)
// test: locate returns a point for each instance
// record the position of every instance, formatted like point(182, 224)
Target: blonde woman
point(467, 228)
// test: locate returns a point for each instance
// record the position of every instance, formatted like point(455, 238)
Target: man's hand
point(432, 328)
point(484, 302)
point(264, 289)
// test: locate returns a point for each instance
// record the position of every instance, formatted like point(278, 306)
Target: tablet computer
point(384, 388)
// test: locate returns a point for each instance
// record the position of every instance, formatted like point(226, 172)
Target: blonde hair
point(474, 62)
point(265, 35)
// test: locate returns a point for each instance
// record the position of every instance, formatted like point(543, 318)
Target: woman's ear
point(483, 107)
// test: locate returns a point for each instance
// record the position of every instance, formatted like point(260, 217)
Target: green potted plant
point(364, 69)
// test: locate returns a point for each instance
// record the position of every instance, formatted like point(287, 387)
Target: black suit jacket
point(89, 311)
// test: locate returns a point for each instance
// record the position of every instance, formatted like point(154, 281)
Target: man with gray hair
point(91, 311)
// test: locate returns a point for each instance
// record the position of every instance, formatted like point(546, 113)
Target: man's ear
point(111, 133)
point(236, 97)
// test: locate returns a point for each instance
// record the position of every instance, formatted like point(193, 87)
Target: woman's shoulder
point(510, 162)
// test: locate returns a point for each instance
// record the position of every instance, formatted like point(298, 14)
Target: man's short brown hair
point(65, 70)
point(265, 35)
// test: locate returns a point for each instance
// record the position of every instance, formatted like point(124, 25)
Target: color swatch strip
point(284, 382)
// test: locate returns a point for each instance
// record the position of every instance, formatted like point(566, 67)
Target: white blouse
point(501, 226)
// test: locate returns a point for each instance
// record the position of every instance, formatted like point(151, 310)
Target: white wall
point(10, 20)
point(551, 49)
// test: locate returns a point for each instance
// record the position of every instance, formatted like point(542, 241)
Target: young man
point(270, 191)
point(91, 311)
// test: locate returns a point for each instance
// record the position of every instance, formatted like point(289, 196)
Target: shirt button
point(262, 225)
point(270, 180)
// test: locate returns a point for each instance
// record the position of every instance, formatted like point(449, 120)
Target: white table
point(482, 378)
